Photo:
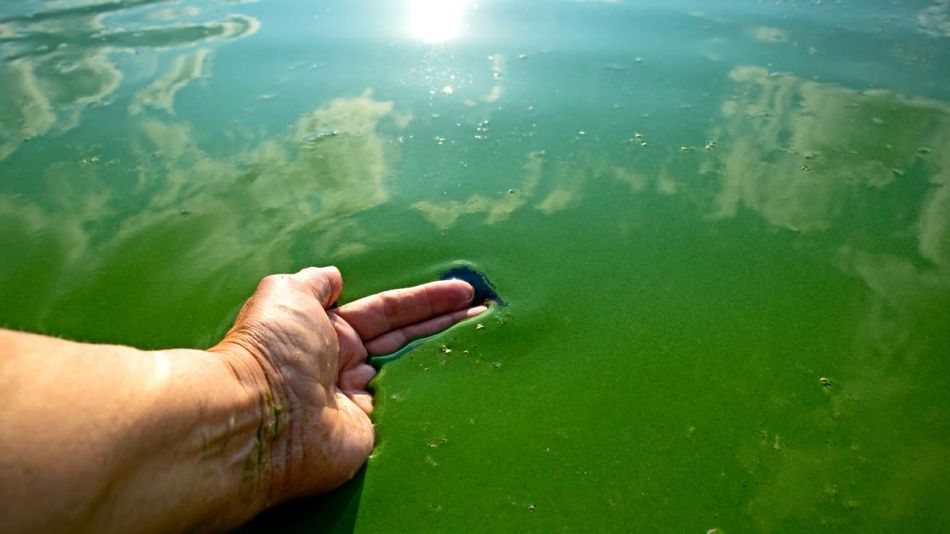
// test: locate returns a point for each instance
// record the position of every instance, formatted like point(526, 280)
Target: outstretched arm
point(111, 438)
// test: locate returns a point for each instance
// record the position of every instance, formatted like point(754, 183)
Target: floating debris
point(446, 350)
point(825, 382)
point(481, 130)
point(314, 137)
point(479, 326)
point(710, 145)
point(638, 138)
point(435, 442)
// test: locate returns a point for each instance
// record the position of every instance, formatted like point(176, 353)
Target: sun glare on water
point(436, 21)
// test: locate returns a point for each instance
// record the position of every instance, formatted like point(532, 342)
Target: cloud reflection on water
point(244, 212)
point(934, 20)
point(862, 179)
point(330, 165)
point(817, 159)
point(803, 154)
point(160, 94)
point(59, 62)
point(796, 151)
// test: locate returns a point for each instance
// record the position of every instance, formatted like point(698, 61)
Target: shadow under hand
point(334, 512)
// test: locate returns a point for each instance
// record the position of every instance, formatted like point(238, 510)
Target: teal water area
point(722, 230)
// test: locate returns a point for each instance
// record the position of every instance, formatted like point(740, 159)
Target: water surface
point(722, 229)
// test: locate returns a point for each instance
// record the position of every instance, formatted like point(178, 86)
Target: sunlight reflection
point(436, 21)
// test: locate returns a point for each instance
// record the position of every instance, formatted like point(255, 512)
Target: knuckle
point(270, 281)
point(308, 272)
point(311, 280)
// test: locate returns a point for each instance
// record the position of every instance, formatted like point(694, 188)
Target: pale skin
point(114, 439)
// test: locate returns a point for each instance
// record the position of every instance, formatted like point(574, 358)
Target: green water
point(743, 324)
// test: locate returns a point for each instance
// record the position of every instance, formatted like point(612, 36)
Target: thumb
point(324, 283)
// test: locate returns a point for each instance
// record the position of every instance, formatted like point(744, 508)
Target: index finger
point(384, 312)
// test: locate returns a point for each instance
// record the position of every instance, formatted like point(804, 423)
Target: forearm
point(110, 438)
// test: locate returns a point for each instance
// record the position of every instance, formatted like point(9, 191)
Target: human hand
point(316, 432)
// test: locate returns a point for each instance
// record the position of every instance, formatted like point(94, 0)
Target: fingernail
point(472, 312)
point(468, 295)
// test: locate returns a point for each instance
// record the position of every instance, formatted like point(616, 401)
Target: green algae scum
point(722, 231)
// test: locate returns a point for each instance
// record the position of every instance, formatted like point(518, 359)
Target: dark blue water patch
point(485, 292)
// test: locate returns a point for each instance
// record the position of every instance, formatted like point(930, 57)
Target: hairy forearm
point(110, 438)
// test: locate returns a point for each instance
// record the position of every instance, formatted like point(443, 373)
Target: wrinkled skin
point(313, 359)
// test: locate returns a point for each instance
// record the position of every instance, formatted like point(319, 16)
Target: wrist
point(214, 436)
point(263, 390)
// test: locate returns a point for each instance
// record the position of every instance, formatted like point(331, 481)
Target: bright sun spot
point(436, 21)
